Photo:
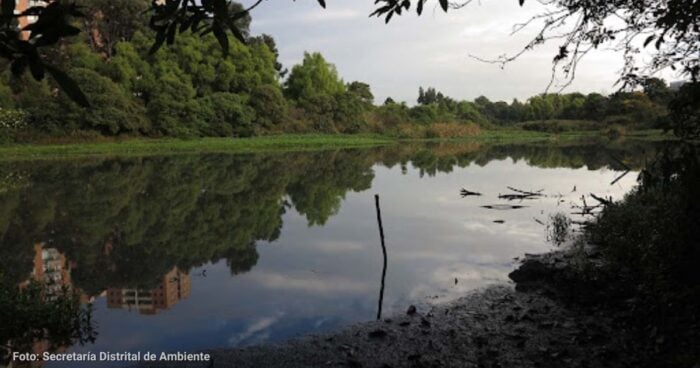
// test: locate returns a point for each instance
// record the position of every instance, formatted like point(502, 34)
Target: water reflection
point(155, 241)
point(173, 287)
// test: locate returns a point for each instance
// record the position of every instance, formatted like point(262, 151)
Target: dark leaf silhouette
point(68, 86)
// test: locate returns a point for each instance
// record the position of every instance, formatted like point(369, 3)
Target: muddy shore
point(525, 324)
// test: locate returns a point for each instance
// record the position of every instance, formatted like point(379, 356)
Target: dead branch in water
point(466, 193)
point(535, 194)
point(502, 207)
point(521, 194)
point(603, 201)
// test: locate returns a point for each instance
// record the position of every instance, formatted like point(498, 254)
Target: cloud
point(331, 15)
point(338, 246)
point(432, 50)
point(310, 284)
point(255, 333)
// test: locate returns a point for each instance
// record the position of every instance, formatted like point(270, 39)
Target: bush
point(113, 110)
point(615, 132)
point(653, 235)
point(11, 121)
point(452, 130)
point(560, 126)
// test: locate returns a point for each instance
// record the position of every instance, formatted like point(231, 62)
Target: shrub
point(615, 131)
point(560, 126)
point(452, 130)
point(11, 121)
point(653, 234)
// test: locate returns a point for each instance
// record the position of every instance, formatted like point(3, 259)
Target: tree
point(362, 91)
point(271, 109)
point(685, 112)
point(269, 41)
point(595, 107)
point(670, 26)
point(113, 110)
point(428, 96)
point(657, 90)
point(108, 22)
point(313, 77)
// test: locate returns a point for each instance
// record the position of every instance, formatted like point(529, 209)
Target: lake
point(188, 252)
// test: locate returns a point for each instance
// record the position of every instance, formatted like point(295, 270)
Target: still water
point(184, 253)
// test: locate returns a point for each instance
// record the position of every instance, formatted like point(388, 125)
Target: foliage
point(684, 117)
point(30, 316)
point(113, 110)
point(194, 88)
point(313, 77)
point(108, 22)
point(52, 24)
point(452, 130)
point(560, 126)
point(11, 121)
point(653, 233)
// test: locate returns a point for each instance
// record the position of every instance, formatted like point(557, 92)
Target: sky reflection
point(317, 278)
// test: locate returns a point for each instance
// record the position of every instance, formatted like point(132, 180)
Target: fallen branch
point(603, 201)
point(467, 193)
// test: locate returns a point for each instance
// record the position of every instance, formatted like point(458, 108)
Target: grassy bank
point(141, 147)
point(280, 143)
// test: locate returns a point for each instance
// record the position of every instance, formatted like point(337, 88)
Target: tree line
point(195, 88)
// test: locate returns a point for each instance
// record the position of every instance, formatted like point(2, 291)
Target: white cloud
point(255, 331)
point(310, 284)
point(432, 50)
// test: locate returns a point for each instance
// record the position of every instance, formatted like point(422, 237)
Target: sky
point(431, 50)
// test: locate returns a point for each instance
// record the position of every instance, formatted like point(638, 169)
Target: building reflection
point(173, 287)
point(51, 270)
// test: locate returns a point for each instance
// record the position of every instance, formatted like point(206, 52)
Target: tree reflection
point(125, 224)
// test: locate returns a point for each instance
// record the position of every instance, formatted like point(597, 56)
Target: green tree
point(312, 78)
point(113, 111)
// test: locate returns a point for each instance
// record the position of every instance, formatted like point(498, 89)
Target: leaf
point(19, 66)
point(221, 36)
point(170, 35)
point(649, 39)
point(37, 68)
point(68, 86)
point(521, 2)
point(419, 7)
point(659, 42)
point(160, 39)
point(8, 8)
point(237, 33)
point(322, 3)
point(444, 4)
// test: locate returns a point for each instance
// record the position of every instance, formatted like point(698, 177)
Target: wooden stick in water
point(381, 237)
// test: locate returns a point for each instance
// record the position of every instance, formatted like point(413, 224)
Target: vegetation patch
point(142, 147)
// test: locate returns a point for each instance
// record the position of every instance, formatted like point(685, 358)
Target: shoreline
point(129, 147)
point(498, 326)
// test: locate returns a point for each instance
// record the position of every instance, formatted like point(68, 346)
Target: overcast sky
point(432, 50)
